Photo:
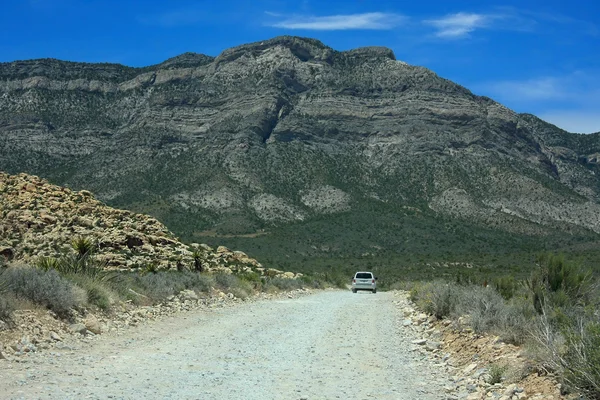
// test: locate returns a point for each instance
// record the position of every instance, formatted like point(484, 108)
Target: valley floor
point(333, 344)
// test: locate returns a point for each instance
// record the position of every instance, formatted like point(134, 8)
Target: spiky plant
point(84, 247)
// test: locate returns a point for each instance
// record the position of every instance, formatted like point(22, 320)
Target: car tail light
point(372, 280)
point(354, 280)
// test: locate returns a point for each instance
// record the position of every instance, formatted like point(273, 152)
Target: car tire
point(374, 291)
point(354, 290)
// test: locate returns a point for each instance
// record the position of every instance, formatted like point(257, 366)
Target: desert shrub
point(98, 293)
point(490, 313)
point(338, 280)
point(160, 285)
point(47, 288)
point(286, 284)
point(496, 373)
point(570, 346)
point(312, 282)
point(438, 298)
point(559, 282)
point(506, 286)
point(226, 281)
point(483, 304)
point(7, 306)
point(254, 280)
point(230, 283)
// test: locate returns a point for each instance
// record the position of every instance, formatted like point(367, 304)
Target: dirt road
point(330, 345)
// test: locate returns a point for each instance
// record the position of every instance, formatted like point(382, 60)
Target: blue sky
point(541, 57)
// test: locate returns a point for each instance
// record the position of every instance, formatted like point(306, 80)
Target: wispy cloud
point(569, 101)
point(538, 89)
point(460, 24)
point(580, 86)
point(366, 21)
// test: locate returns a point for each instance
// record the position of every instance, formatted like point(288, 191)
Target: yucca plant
point(84, 247)
point(47, 263)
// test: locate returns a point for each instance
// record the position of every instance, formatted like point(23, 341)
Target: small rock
point(2, 356)
point(469, 368)
point(188, 295)
point(510, 390)
point(419, 342)
point(78, 328)
point(433, 345)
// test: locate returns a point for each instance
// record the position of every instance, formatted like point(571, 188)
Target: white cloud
point(371, 21)
point(568, 101)
point(581, 87)
point(544, 88)
point(579, 121)
point(459, 25)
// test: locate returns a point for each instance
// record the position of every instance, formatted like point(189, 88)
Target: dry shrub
point(46, 288)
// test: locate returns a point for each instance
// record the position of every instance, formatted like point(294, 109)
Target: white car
point(364, 281)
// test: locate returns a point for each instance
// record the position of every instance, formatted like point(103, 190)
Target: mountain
point(289, 150)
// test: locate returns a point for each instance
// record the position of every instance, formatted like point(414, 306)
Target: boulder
point(78, 328)
point(93, 325)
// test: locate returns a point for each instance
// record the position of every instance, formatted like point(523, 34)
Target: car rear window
point(364, 275)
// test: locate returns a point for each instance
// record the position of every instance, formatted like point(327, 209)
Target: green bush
point(559, 282)
point(506, 285)
point(496, 373)
point(46, 288)
point(70, 264)
point(98, 293)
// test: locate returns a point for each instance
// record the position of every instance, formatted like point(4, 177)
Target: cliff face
point(288, 131)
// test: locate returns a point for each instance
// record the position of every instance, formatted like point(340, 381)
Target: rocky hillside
point(287, 146)
point(41, 220)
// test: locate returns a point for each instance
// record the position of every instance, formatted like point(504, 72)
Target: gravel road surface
point(329, 345)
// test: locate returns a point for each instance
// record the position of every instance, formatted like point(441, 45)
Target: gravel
point(333, 344)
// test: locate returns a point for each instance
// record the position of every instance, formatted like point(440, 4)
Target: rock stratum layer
point(291, 133)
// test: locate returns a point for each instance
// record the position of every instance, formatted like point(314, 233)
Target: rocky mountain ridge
point(277, 137)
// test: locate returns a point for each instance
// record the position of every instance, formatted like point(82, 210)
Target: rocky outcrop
point(38, 219)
